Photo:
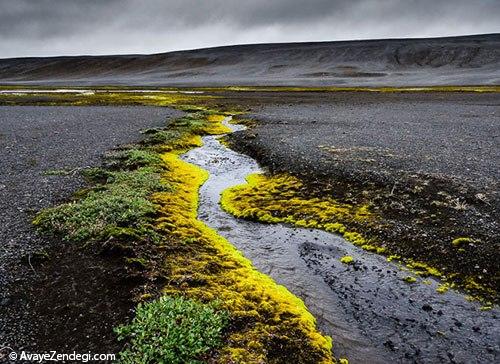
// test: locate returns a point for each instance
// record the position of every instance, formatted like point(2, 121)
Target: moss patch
point(347, 259)
point(282, 198)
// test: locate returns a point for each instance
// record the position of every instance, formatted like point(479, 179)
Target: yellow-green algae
point(280, 198)
point(207, 267)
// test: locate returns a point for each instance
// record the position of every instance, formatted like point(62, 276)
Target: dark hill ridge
point(465, 60)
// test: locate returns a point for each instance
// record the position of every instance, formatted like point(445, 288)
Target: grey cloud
point(50, 27)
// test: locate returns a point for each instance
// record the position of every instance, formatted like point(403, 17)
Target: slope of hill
point(466, 60)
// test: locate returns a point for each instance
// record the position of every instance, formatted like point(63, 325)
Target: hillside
point(467, 60)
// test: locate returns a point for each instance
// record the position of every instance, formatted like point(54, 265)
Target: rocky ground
point(55, 296)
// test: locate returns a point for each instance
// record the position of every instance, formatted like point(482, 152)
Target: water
point(372, 315)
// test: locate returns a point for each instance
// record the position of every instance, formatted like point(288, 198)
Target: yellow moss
point(347, 259)
point(458, 242)
point(216, 127)
point(373, 248)
point(207, 267)
point(443, 288)
point(409, 279)
point(279, 198)
point(423, 269)
point(486, 307)
point(472, 285)
point(216, 118)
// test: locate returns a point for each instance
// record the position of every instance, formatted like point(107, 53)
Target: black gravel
point(455, 135)
point(34, 141)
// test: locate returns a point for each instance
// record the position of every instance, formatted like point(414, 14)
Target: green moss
point(282, 198)
point(113, 97)
point(423, 269)
point(486, 307)
point(122, 201)
point(140, 158)
point(172, 330)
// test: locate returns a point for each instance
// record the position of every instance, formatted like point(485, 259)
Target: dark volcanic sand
point(409, 153)
point(444, 134)
point(41, 307)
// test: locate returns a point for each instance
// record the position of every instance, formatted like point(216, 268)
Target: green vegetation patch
point(121, 201)
point(172, 330)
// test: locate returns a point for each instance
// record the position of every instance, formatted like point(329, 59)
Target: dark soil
point(427, 162)
point(57, 296)
point(71, 302)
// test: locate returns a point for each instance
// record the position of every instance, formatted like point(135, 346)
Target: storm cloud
point(71, 27)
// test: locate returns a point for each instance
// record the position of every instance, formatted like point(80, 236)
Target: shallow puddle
point(371, 313)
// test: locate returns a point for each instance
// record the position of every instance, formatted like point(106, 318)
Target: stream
point(371, 313)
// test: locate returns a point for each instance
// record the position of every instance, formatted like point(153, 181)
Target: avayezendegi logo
point(8, 352)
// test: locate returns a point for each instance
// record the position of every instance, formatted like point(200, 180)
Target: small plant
point(458, 205)
point(140, 158)
point(172, 330)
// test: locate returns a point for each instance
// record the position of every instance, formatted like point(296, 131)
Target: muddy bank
point(370, 311)
point(428, 163)
point(56, 296)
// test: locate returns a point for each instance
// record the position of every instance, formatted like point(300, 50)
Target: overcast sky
point(64, 27)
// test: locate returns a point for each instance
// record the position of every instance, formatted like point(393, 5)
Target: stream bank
point(370, 311)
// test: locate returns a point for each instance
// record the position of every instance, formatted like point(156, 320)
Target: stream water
point(371, 313)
